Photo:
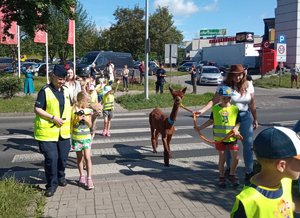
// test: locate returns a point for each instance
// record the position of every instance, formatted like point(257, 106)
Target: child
point(99, 89)
point(269, 193)
point(108, 107)
point(94, 105)
point(81, 138)
point(225, 118)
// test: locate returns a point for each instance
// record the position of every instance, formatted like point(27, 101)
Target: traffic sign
point(281, 52)
point(281, 39)
point(266, 44)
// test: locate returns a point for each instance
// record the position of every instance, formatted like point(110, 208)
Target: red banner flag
point(40, 36)
point(8, 40)
point(4, 39)
point(71, 32)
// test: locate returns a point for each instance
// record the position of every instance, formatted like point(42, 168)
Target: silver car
point(209, 75)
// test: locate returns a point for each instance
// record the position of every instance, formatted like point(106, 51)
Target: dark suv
point(5, 62)
point(101, 58)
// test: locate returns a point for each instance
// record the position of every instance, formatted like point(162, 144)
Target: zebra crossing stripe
point(128, 167)
point(33, 157)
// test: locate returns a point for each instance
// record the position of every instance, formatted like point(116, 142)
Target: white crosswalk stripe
point(115, 151)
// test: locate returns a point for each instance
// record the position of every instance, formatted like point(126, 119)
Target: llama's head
point(177, 94)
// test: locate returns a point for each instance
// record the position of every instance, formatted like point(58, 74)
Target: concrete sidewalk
point(166, 194)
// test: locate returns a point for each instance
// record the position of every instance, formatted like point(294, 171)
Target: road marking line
point(193, 163)
point(124, 150)
point(113, 131)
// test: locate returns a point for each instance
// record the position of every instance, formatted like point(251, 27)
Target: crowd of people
point(66, 111)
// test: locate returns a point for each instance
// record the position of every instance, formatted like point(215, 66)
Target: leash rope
point(230, 134)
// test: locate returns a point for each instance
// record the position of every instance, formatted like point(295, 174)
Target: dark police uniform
point(55, 151)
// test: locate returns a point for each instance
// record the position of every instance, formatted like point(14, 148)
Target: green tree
point(127, 34)
point(162, 31)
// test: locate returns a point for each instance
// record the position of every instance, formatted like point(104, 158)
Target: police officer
point(52, 128)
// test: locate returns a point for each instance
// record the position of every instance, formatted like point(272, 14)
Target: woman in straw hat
point(244, 99)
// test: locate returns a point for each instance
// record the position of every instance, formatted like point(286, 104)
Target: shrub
point(9, 86)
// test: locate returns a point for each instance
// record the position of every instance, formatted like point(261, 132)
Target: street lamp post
point(147, 49)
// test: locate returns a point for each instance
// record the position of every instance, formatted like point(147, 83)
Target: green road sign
point(212, 32)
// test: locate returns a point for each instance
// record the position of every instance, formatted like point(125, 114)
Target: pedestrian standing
point(281, 66)
point(124, 74)
point(72, 84)
point(81, 123)
point(28, 82)
point(294, 76)
point(142, 72)
point(194, 78)
point(108, 108)
point(243, 98)
point(160, 75)
point(52, 128)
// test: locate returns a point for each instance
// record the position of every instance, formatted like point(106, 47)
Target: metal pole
point(74, 50)
point(47, 64)
point(170, 61)
point(19, 51)
point(147, 45)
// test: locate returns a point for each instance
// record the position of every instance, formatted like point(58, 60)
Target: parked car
point(187, 66)
point(42, 69)
point(5, 62)
point(209, 75)
point(101, 58)
point(153, 66)
point(136, 64)
point(24, 65)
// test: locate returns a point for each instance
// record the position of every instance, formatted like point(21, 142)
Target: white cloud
point(178, 7)
point(210, 7)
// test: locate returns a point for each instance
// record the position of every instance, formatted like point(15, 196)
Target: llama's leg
point(169, 137)
point(153, 140)
point(166, 151)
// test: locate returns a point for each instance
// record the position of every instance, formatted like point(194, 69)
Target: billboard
point(213, 32)
point(244, 37)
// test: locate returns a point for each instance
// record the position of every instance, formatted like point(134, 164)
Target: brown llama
point(161, 123)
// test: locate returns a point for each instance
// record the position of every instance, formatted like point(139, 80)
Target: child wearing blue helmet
point(225, 118)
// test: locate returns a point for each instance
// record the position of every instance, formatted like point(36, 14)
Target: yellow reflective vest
point(46, 130)
point(257, 205)
point(80, 131)
point(108, 102)
point(224, 121)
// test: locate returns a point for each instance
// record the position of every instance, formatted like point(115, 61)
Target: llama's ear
point(184, 90)
point(171, 90)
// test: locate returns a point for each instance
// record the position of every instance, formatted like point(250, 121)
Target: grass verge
point(136, 102)
point(20, 199)
point(274, 81)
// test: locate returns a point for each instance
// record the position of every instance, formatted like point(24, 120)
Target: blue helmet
point(225, 91)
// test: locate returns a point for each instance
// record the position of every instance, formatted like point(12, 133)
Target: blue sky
point(191, 16)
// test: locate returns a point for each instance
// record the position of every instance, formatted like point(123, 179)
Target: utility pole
point(147, 49)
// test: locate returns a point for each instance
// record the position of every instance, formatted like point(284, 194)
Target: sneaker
point(82, 181)
point(104, 132)
point(234, 180)
point(222, 183)
point(108, 133)
point(90, 184)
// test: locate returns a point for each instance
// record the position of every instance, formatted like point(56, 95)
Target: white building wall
point(287, 20)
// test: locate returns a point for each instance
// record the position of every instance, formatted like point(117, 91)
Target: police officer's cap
point(59, 71)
